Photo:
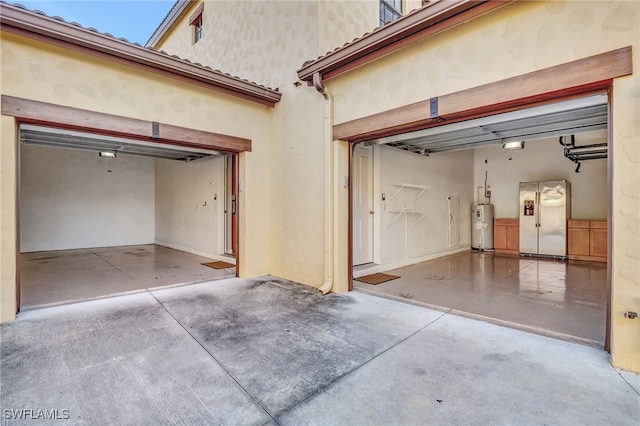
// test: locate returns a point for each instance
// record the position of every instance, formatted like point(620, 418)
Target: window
point(196, 23)
point(197, 29)
point(390, 10)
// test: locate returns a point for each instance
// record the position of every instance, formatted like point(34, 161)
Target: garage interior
point(101, 215)
point(425, 183)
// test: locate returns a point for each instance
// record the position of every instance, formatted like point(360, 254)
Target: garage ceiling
point(58, 138)
point(555, 120)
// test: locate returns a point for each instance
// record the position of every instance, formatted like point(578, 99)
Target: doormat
point(376, 278)
point(219, 265)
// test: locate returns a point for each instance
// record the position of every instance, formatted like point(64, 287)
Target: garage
point(103, 215)
point(121, 159)
point(413, 195)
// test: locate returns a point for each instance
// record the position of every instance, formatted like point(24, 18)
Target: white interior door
point(362, 205)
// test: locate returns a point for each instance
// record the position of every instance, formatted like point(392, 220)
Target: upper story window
point(195, 21)
point(390, 10)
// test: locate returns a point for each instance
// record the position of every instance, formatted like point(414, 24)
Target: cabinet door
point(513, 238)
point(598, 244)
point(499, 237)
point(579, 241)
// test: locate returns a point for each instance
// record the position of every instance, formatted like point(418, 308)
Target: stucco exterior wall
point(625, 344)
point(272, 42)
point(8, 217)
point(261, 41)
point(342, 21)
point(518, 38)
point(510, 41)
point(266, 41)
point(42, 72)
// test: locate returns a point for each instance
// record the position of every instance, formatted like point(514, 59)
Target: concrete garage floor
point(269, 351)
point(63, 276)
point(554, 298)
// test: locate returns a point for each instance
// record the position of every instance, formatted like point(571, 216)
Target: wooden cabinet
point(598, 239)
point(587, 240)
point(506, 236)
point(578, 237)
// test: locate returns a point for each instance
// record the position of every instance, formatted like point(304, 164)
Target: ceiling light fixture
point(513, 146)
point(108, 154)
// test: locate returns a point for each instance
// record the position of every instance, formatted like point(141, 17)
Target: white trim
point(197, 252)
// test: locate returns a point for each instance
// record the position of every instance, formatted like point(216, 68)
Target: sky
point(134, 20)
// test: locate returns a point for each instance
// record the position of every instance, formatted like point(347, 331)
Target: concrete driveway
point(269, 351)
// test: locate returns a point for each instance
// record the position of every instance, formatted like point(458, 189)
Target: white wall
point(190, 205)
point(69, 199)
point(447, 174)
point(544, 160)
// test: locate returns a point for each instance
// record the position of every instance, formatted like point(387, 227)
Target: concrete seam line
point(625, 380)
point(213, 357)
point(116, 268)
point(348, 373)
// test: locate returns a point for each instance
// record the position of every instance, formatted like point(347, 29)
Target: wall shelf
point(406, 211)
point(402, 186)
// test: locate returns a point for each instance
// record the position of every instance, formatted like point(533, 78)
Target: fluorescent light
point(512, 146)
point(108, 154)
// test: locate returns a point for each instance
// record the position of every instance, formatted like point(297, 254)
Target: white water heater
point(482, 227)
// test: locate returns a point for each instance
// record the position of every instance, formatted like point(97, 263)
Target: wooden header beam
point(538, 87)
point(58, 116)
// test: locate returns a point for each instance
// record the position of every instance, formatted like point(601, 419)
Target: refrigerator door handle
point(537, 209)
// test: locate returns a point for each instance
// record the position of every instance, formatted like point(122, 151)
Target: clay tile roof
point(18, 19)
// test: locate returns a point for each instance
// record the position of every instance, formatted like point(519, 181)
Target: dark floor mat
point(376, 278)
point(219, 265)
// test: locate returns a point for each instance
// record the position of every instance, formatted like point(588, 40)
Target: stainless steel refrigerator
point(545, 207)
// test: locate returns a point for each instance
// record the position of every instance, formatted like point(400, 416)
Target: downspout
point(328, 183)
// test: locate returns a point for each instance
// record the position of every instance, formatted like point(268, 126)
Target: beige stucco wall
point(261, 41)
point(275, 38)
point(273, 41)
point(513, 40)
point(8, 218)
point(341, 21)
point(266, 41)
point(42, 72)
point(510, 41)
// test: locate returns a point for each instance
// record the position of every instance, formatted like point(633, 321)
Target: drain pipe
point(328, 183)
